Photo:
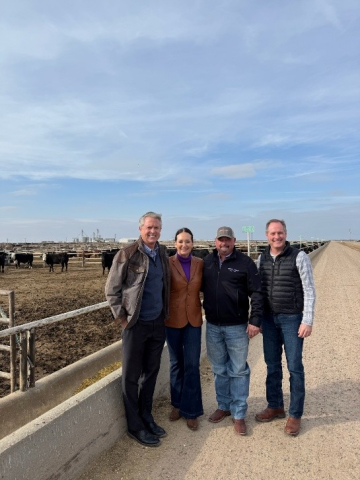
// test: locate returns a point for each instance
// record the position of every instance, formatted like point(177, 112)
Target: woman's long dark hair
point(184, 230)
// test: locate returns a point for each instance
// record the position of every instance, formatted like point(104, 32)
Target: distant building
point(127, 240)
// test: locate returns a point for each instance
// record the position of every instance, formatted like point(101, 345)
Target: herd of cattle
point(107, 256)
point(62, 259)
point(27, 259)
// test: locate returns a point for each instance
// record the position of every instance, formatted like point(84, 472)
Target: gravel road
point(328, 446)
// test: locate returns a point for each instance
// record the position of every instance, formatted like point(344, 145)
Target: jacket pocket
point(135, 274)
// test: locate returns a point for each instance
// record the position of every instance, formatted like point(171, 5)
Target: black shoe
point(155, 429)
point(145, 438)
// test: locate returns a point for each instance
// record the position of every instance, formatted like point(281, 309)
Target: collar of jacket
point(216, 254)
point(286, 249)
point(142, 248)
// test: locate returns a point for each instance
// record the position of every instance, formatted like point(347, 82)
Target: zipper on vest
point(272, 283)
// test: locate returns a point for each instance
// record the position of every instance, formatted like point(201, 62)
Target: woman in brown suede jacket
point(183, 331)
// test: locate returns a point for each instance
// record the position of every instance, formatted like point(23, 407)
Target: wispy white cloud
point(218, 196)
point(330, 13)
point(7, 208)
point(272, 140)
point(24, 192)
point(237, 171)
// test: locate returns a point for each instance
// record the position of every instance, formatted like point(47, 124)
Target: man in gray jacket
point(137, 290)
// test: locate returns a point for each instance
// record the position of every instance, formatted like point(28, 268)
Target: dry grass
point(98, 376)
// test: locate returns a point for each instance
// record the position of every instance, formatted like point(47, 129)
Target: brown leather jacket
point(185, 306)
point(125, 283)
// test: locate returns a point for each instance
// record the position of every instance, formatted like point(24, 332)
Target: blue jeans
point(184, 346)
point(227, 350)
point(279, 330)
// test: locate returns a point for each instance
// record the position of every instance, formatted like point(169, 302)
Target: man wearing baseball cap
point(230, 279)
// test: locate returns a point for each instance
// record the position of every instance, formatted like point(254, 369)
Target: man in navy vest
point(137, 290)
point(289, 291)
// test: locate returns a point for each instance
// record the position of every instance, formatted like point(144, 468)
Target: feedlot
point(40, 294)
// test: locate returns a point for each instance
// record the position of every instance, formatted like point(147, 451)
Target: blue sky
point(210, 112)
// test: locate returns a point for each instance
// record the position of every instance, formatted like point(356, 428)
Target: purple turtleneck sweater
point(186, 264)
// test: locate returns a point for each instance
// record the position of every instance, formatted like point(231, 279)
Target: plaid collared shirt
point(150, 252)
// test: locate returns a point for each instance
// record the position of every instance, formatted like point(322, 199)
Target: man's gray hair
point(157, 216)
point(275, 220)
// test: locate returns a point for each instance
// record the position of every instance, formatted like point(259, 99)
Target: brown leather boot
point(240, 427)
point(292, 426)
point(269, 414)
point(174, 414)
point(192, 423)
point(218, 415)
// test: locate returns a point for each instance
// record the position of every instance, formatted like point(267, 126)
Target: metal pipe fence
point(24, 336)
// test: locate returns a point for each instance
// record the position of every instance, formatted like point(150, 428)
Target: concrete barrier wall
point(20, 408)
point(314, 253)
point(60, 443)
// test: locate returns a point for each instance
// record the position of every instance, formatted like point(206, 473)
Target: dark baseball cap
point(225, 232)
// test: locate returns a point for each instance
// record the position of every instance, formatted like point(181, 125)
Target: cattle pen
point(95, 254)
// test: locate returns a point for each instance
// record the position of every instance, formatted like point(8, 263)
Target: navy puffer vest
point(281, 282)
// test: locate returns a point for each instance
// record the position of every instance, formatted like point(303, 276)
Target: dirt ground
point(328, 445)
point(40, 294)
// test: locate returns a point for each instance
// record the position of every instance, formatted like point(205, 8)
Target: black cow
point(107, 259)
point(261, 249)
point(2, 261)
point(197, 252)
point(26, 258)
point(61, 258)
point(200, 252)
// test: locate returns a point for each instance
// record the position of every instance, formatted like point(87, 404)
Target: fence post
point(32, 358)
point(23, 360)
point(12, 342)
